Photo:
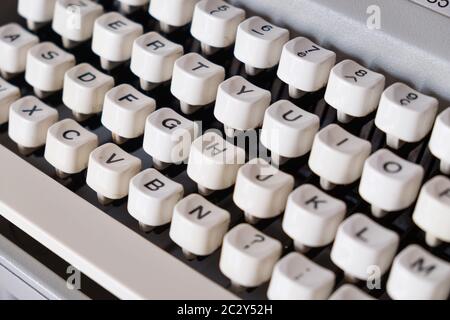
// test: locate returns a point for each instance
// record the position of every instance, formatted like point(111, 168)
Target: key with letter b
point(418, 275)
point(248, 256)
point(198, 226)
point(109, 172)
point(152, 197)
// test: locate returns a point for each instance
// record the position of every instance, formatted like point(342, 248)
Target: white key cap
point(240, 105)
point(124, 112)
point(259, 44)
point(295, 277)
point(172, 13)
point(288, 131)
point(353, 90)
point(432, 212)
point(363, 248)
point(215, 24)
point(8, 94)
point(439, 140)
point(84, 90)
point(350, 292)
point(337, 156)
point(113, 39)
point(261, 190)
point(152, 197)
point(168, 137)
point(74, 20)
point(312, 217)
point(29, 120)
point(195, 81)
point(110, 170)
point(129, 6)
point(198, 226)
point(389, 183)
point(153, 59)
point(405, 115)
point(214, 162)
point(68, 147)
point(301, 56)
point(248, 256)
point(418, 275)
point(15, 42)
point(46, 66)
point(36, 12)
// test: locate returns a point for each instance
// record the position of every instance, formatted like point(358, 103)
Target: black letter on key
point(419, 265)
point(111, 159)
point(171, 123)
point(50, 55)
point(263, 178)
point(242, 91)
point(12, 37)
point(156, 45)
point(31, 111)
point(445, 193)
point(215, 150)
point(360, 234)
point(200, 214)
point(129, 97)
point(315, 201)
point(392, 167)
point(200, 65)
point(285, 116)
point(70, 134)
point(87, 77)
point(116, 24)
point(154, 185)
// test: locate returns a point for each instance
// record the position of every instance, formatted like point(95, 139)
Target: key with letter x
point(29, 120)
point(110, 170)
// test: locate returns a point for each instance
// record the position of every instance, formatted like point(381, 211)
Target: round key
point(153, 58)
point(168, 137)
point(110, 170)
point(259, 44)
point(405, 115)
point(29, 120)
point(439, 141)
point(215, 23)
point(198, 226)
point(261, 190)
point(46, 66)
point(312, 217)
point(353, 90)
point(84, 90)
point(288, 131)
point(214, 162)
point(295, 277)
point(74, 20)
point(124, 112)
point(195, 81)
point(389, 183)
point(418, 275)
point(36, 12)
point(350, 292)
point(314, 63)
point(152, 197)
point(15, 42)
point(432, 212)
point(113, 39)
point(172, 13)
point(129, 6)
point(240, 105)
point(8, 94)
point(68, 147)
point(337, 156)
point(362, 246)
point(248, 256)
